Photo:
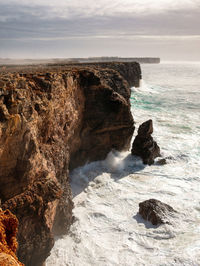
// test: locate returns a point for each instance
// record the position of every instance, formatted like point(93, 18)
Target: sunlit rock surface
point(53, 119)
point(8, 241)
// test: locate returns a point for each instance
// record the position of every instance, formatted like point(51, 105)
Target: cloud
point(114, 37)
point(165, 47)
point(22, 23)
point(41, 21)
point(88, 8)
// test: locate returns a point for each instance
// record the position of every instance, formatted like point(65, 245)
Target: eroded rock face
point(144, 146)
point(52, 120)
point(107, 120)
point(156, 211)
point(8, 241)
point(130, 71)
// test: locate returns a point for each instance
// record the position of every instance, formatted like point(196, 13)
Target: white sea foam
point(108, 229)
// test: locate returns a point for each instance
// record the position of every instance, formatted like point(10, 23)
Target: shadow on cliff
point(117, 165)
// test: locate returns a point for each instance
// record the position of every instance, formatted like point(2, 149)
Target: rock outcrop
point(8, 241)
point(144, 146)
point(156, 211)
point(52, 120)
point(130, 71)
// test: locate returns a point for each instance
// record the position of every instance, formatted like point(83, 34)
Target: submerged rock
point(156, 211)
point(162, 161)
point(144, 146)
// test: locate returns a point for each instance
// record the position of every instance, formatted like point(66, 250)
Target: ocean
point(108, 229)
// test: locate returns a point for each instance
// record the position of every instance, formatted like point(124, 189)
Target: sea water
point(108, 229)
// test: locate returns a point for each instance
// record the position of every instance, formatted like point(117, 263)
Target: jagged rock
point(144, 146)
point(53, 119)
point(8, 240)
point(156, 211)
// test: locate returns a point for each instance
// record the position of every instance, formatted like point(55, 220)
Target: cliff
point(131, 71)
point(8, 241)
point(52, 120)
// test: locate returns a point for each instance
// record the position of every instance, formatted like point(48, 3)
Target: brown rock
point(130, 71)
point(155, 211)
point(54, 119)
point(144, 146)
point(162, 161)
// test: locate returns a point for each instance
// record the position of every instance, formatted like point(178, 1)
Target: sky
point(168, 29)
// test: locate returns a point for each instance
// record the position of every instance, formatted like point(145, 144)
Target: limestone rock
point(144, 146)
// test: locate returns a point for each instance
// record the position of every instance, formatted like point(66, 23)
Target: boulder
point(144, 146)
point(156, 211)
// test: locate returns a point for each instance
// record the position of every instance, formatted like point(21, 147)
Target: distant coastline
point(141, 60)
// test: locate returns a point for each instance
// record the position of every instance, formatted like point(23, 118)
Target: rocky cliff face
point(50, 121)
point(130, 71)
point(8, 241)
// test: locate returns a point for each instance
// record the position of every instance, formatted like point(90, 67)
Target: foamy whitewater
point(108, 229)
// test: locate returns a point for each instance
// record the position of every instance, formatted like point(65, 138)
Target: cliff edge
point(52, 120)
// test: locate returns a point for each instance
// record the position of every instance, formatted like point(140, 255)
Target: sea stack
point(144, 146)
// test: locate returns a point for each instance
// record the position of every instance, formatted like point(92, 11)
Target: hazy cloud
point(88, 8)
point(40, 21)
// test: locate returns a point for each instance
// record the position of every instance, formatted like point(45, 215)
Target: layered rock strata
point(143, 145)
point(52, 120)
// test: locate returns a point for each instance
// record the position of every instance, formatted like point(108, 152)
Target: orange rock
point(8, 241)
point(8, 260)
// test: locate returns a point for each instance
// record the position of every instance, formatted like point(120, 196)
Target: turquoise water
point(170, 96)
